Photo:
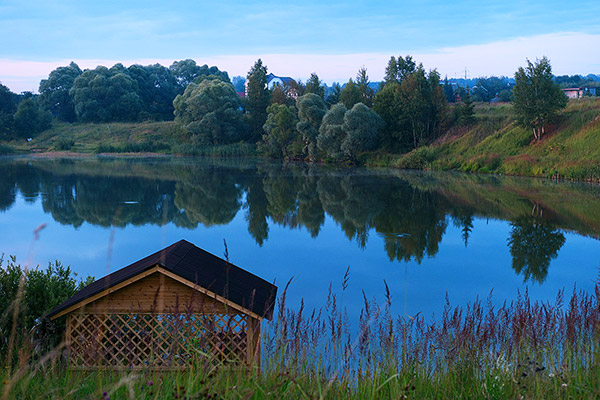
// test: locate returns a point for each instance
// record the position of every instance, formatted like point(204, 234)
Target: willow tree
point(537, 99)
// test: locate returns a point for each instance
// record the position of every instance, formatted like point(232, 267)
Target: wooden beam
point(106, 292)
point(207, 292)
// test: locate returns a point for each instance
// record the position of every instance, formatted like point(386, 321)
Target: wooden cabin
point(168, 310)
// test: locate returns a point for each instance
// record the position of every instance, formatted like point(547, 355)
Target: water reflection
point(411, 211)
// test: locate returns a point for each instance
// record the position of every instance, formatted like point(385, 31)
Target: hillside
point(495, 144)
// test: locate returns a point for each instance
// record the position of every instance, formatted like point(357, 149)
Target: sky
point(295, 38)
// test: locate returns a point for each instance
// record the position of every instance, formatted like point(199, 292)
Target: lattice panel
point(155, 340)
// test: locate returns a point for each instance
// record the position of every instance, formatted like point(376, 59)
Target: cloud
point(569, 53)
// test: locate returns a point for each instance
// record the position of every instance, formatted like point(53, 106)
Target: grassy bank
point(146, 137)
point(521, 350)
point(494, 143)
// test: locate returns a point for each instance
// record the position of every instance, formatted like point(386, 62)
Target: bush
point(41, 291)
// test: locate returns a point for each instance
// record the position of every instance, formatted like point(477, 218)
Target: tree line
point(296, 120)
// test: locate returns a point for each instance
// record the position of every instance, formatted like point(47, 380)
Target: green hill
point(495, 144)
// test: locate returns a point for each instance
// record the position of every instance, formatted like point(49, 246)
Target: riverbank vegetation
point(412, 119)
point(522, 349)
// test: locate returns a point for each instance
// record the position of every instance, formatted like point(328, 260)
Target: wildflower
point(564, 385)
point(550, 375)
point(105, 396)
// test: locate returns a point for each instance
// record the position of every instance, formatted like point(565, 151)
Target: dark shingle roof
point(197, 266)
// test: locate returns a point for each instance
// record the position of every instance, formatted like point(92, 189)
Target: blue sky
point(298, 38)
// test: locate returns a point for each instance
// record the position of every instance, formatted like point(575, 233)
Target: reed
point(520, 349)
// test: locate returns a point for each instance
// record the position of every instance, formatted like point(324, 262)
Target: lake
point(426, 234)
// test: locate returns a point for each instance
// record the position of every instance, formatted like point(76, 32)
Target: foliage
point(31, 294)
point(334, 95)
point(466, 111)
point(54, 92)
point(186, 71)
point(361, 125)
point(156, 87)
point(398, 69)
point(366, 93)
point(280, 131)
point(350, 94)
point(257, 100)
point(413, 110)
point(8, 106)
point(282, 94)
point(314, 85)
point(537, 98)
point(238, 83)
point(103, 94)
point(210, 111)
point(423, 105)
point(331, 132)
point(29, 120)
point(311, 110)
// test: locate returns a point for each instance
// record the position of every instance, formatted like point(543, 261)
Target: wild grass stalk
point(519, 349)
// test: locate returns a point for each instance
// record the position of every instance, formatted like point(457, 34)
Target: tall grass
point(521, 349)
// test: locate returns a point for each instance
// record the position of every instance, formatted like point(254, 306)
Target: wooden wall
point(156, 293)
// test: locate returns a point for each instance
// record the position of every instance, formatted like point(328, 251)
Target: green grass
point(146, 137)
point(496, 144)
point(525, 349)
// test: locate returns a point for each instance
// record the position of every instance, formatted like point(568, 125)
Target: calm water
point(425, 234)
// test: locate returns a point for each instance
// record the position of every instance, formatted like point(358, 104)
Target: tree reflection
point(533, 244)
point(411, 212)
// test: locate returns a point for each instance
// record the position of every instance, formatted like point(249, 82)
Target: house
point(273, 80)
point(166, 311)
point(573, 93)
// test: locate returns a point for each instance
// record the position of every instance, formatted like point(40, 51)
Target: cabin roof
point(197, 266)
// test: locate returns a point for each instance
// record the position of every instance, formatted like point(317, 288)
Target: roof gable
point(196, 267)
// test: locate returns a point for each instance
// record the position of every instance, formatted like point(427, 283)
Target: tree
point(185, 71)
point(258, 99)
point(210, 111)
point(466, 110)
point(361, 125)
point(280, 130)
point(157, 88)
point(422, 105)
point(238, 83)
point(54, 92)
point(311, 110)
point(366, 93)
point(350, 94)
point(334, 94)
point(8, 106)
point(537, 99)
point(448, 91)
point(314, 85)
point(399, 68)
point(29, 119)
point(387, 105)
point(102, 95)
point(331, 132)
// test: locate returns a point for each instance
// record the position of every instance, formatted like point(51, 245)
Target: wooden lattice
point(145, 340)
